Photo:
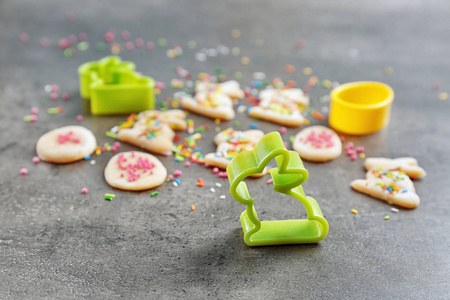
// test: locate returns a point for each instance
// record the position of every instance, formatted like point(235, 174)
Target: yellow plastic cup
point(361, 107)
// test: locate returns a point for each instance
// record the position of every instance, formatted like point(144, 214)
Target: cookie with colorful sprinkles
point(317, 144)
point(230, 88)
point(408, 164)
point(281, 106)
point(230, 143)
point(214, 105)
point(66, 144)
point(152, 130)
point(390, 185)
point(135, 171)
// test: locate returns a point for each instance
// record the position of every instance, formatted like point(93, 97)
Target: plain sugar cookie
point(66, 144)
point(135, 171)
point(318, 144)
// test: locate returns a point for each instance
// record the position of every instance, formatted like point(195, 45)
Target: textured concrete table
point(57, 243)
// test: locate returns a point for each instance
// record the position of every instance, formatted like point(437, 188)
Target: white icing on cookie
point(230, 88)
point(66, 144)
point(152, 130)
point(281, 106)
point(135, 171)
point(318, 144)
point(212, 105)
point(390, 185)
point(408, 164)
point(230, 143)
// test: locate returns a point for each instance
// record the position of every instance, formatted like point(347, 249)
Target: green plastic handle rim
point(287, 179)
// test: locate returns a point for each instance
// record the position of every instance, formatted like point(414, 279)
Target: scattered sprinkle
point(289, 69)
point(235, 33)
point(270, 181)
point(388, 70)
point(109, 197)
point(177, 173)
point(79, 118)
point(387, 217)
point(24, 171)
point(395, 210)
point(354, 211)
point(218, 184)
point(253, 126)
point(192, 207)
point(84, 190)
point(307, 71)
point(154, 193)
point(443, 96)
point(36, 159)
point(245, 60)
point(222, 197)
point(213, 190)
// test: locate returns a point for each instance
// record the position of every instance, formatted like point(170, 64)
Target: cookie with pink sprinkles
point(135, 171)
point(317, 144)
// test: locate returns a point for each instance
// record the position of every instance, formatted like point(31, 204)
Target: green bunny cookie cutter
point(114, 87)
point(287, 179)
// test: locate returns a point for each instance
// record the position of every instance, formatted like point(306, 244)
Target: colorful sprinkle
point(24, 171)
point(84, 190)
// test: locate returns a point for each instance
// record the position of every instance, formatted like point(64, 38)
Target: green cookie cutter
point(287, 179)
point(114, 87)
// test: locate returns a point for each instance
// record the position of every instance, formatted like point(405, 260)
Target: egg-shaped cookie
point(66, 144)
point(135, 171)
point(317, 144)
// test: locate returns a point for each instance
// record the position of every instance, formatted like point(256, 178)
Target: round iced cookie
point(318, 144)
point(135, 171)
point(66, 144)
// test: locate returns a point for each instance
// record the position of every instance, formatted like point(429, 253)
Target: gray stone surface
point(57, 243)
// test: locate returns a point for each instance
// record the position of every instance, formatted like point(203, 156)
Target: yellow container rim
point(361, 84)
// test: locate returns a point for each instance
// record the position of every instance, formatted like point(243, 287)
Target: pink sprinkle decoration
point(359, 149)
point(63, 44)
point(129, 46)
point(170, 176)
point(33, 118)
point(187, 164)
point(54, 96)
point(109, 37)
point(117, 144)
point(270, 181)
point(84, 190)
point(82, 37)
point(44, 42)
point(72, 39)
point(216, 170)
point(24, 171)
point(125, 35)
point(55, 88)
point(34, 110)
point(139, 43)
point(207, 165)
point(177, 173)
point(223, 175)
point(24, 37)
point(36, 159)
point(66, 96)
point(79, 118)
point(150, 45)
point(283, 130)
point(70, 16)
point(349, 145)
point(159, 85)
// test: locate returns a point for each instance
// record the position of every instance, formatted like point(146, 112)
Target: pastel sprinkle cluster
point(392, 188)
point(237, 143)
point(134, 170)
point(394, 174)
point(64, 138)
point(322, 140)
